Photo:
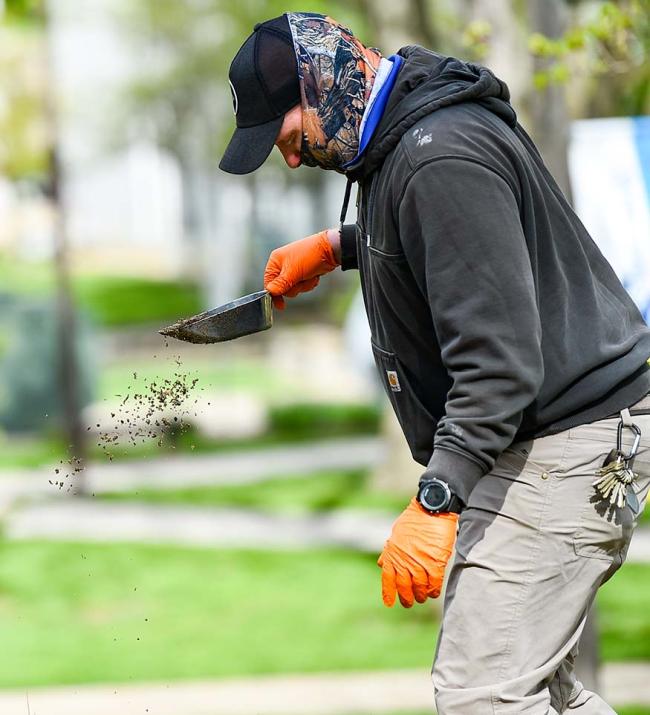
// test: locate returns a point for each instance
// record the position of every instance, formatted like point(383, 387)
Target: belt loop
point(626, 419)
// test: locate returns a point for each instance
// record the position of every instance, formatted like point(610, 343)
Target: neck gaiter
point(335, 73)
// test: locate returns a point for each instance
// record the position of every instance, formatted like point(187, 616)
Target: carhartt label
point(393, 381)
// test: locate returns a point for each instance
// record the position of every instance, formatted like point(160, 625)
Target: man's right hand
point(296, 267)
point(415, 556)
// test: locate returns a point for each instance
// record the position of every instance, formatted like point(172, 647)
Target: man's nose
point(291, 158)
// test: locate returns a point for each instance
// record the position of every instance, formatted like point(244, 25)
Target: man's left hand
point(415, 556)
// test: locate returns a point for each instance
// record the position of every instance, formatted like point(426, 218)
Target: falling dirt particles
point(150, 410)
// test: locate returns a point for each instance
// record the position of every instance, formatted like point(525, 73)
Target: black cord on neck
point(346, 201)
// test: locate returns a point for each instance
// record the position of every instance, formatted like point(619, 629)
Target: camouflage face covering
point(336, 73)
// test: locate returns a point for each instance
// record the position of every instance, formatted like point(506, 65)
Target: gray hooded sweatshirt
point(494, 316)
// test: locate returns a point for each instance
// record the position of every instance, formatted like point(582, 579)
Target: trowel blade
point(249, 314)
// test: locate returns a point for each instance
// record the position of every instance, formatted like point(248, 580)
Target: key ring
point(619, 439)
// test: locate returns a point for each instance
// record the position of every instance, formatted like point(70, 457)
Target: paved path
point(203, 469)
point(320, 694)
point(94, 520)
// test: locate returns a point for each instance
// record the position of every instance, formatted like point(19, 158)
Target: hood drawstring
point(346, 201)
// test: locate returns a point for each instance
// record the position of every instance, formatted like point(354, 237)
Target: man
point(511, 353)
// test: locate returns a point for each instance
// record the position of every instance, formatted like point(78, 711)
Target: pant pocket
point(603, 531)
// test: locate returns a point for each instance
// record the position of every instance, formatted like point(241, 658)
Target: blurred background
point(194, 529)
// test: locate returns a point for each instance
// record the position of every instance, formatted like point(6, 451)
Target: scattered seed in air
point(151, 410)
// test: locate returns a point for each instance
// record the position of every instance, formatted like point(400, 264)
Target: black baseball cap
point(263, 80)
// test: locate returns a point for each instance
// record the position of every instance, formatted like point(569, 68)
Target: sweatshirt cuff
point(462, 474)
point(349, 246)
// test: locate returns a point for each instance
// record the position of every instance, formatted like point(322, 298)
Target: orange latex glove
point(415, 556)
point(297, 266)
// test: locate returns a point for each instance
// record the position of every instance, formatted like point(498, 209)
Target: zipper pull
point(367, 239)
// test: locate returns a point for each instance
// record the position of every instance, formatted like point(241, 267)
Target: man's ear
point(291, 122)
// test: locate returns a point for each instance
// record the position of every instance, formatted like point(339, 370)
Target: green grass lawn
point(120, 300)
point(88, 613)
point(111, 300)
point(624, 614)
point(72, 613)
point(29, 452)
point(26, 278)
point(320, 491)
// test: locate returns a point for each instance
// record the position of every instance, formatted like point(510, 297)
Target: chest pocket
point(417, 423)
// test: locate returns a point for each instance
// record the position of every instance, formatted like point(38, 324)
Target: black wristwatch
point(436, 497)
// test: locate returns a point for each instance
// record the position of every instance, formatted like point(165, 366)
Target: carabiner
point(619, 440)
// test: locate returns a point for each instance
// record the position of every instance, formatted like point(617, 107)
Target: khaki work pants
point(534, 545)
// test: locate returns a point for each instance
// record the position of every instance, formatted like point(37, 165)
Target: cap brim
point(249, 147)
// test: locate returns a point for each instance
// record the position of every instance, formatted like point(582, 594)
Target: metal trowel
point(249, 314)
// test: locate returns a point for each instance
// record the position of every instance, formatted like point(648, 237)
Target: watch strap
point(348, 233)
point(455, 505)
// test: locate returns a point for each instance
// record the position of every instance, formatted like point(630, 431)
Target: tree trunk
point(69, 382)
point(548, 109)
point(550, 129)
point(507, 52)
point(396, 24)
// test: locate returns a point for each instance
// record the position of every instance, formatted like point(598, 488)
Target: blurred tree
point(23, 127)
point(30, 369)
point(24, 12)
point(608, 47)
point(180, 100)
point(547, 107)
point(29, 150)
point(67, 338)
point(189, 46)
point(393, 25)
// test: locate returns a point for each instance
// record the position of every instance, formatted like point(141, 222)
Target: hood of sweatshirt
point(428, 81)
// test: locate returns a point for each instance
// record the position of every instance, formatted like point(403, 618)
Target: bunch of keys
point(615, 478)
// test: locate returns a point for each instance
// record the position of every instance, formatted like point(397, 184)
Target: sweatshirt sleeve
point(349, 246)
point(460, 229)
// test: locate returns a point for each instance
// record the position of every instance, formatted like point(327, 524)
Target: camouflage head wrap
point(336, 73)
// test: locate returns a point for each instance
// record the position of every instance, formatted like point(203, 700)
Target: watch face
point(434, 496)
